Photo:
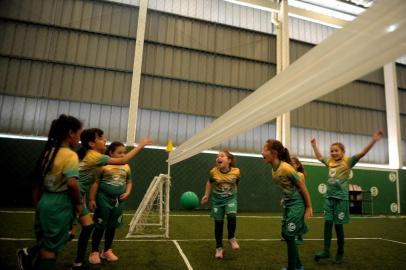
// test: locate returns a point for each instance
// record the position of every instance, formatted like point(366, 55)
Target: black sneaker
point(23, 259)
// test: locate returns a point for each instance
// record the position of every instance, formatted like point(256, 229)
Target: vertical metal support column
point(393, 116)
point(136, 76)
point(282, 62)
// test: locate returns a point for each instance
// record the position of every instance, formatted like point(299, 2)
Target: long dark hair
point(300, 168)
point(113, 146)
point(283, 152)
point(229, 156)
point(87, 136)
point(58, 132)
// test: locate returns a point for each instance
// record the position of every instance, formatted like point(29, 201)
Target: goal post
point(151, 218)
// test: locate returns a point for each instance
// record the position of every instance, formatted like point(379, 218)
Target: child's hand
point(124, 196)
point(145, 141)
point(313, 141)
point(78, 209)
point(204, 199)
point(377, 136)
point(308, 212)
point(92, 205)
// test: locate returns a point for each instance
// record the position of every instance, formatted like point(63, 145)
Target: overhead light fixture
point(308, 10)
point(257, 4)
point(321, 10)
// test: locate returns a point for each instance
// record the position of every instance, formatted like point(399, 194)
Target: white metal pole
point(136, 76)
point(282, 62)
point(393, 116)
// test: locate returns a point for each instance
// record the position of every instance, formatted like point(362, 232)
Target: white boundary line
point(239, 216)
point(212, 239)
point(189, 267)
point(393, 241)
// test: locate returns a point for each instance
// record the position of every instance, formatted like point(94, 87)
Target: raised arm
point(375, 137)
point(306, 197)
point(131, 154)
point(206, 196)
point(316, 150)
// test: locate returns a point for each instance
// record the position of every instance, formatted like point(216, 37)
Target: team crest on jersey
point(332, 172)
point(341, 215)
point(291, 227)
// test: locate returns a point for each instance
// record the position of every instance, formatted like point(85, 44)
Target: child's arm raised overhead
point(131, 154)
point(375, 137)
point(309, 210)
point(316, 150)
point(206, 196)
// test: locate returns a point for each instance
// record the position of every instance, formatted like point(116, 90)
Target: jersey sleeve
point(292, 174)
point(211, 176)
point(325, 161)
point(302, 177)
point(102, 160)
point(128, 174)
point(352, 161)
point(71, 168)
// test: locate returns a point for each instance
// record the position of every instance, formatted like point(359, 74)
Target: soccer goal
point(152, 216)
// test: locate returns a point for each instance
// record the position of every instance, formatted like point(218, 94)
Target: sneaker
point(300, 268)
point(23, 259)
point(109, 256)
point(79, 266)
point(321, 255)
point(219, 253)
point(339, 259)
point(94, 258)
point(233, 243)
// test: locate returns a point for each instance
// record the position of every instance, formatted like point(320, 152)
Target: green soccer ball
point(189, 200)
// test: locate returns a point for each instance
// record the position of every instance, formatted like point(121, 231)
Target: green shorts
point(223, 206)
point(85, 210)
point(336, 210)
point(293, 220)
point(109, 212)
point(53, 220)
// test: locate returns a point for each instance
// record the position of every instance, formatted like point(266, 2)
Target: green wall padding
point(256, 190)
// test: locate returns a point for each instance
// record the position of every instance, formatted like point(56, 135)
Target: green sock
point(340, 238)
point(293, 253)
point(47, 264)
point(328, 231)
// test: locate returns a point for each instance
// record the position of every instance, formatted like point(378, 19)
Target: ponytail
point(58, 132)
point(283, 152)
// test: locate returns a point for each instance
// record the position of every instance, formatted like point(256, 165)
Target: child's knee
point(231, 216)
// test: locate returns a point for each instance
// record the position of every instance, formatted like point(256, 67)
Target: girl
point(112, 190)
point(91, 161)
point(300, 171)
point(296, 199)
point(336, 206)
point(56, 193)
point(223, 182)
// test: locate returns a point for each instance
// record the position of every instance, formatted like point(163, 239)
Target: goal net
point(152, 216)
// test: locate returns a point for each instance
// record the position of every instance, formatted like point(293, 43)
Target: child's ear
point(92, 144)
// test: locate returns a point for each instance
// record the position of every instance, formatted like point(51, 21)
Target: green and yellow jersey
point(114, 179)
point(286, 177)
point(302, 177)
point(90, 168)
point(65, 166)
point(224, 183)
point(339, 172)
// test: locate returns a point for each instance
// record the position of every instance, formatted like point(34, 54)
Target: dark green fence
point(256, 190)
